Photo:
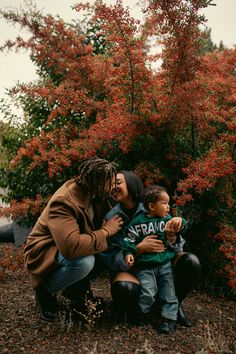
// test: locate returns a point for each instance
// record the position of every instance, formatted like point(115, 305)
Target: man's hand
point(113, 225)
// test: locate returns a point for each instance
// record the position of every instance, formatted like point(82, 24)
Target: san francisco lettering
point(145, 229)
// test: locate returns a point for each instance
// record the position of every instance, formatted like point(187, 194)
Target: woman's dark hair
point(152, 194)
point(93, 175)
point(134, 185)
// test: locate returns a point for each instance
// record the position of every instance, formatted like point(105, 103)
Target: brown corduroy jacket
point(65, 226)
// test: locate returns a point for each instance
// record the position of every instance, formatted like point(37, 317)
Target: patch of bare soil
point(22, 330)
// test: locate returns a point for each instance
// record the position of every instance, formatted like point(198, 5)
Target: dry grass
point(22, 331)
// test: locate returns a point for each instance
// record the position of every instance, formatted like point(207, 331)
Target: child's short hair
point(152, 194)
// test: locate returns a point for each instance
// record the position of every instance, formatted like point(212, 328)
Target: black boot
point(47, 303)
point(182, 318)
point(76, 293)
point(125, 296)
point(187, 271)
point(142, 319)
point(83, 303)
point(167, 326)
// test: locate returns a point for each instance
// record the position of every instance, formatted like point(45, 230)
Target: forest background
point(101, 93)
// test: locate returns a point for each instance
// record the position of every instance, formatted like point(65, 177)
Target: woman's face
point(120, 192)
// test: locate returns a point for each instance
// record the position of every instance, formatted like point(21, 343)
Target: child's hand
point(129, 260)
point(174, 225)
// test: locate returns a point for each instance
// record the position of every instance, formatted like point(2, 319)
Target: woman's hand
point(113, 225)
point(150, 244)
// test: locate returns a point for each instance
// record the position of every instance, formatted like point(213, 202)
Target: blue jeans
point(70, 272)
point(158, 280)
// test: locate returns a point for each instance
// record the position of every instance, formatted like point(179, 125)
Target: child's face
point(161, 207)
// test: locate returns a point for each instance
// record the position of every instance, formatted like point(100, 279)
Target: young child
point(154, 270)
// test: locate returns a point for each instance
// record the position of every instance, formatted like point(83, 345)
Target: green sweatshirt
point(143, 226)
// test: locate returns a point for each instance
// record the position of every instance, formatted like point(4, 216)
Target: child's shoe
point(167, 326)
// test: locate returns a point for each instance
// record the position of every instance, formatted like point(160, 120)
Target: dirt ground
point(22, 331)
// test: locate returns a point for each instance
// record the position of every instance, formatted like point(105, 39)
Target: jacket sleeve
point(113, 259)
point(184, 226)
point(180, 241)
point(129, 247)
point(67, 228)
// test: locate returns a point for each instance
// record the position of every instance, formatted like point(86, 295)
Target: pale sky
point(16, 67)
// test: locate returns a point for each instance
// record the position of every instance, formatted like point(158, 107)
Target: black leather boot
point(125, 296)
point(187, 271)
point(47, 303)
point(77, 293)
point(182, 318)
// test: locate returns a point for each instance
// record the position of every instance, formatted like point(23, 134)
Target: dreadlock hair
point(93, 175)
point(134, 185)
point(152, 194)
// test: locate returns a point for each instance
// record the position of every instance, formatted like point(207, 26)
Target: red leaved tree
point(98, 95)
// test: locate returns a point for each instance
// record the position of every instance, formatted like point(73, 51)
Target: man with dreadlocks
point(59, 253)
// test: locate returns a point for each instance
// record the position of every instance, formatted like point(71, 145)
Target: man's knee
point(83, 264)
point(87, 263)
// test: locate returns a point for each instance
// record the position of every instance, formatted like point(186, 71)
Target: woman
point(125, 286)
point(59, 253)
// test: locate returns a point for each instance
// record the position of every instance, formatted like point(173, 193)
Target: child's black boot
point(167, 326)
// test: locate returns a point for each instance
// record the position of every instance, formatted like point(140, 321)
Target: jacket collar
point(140, 208)
point(78, 194)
